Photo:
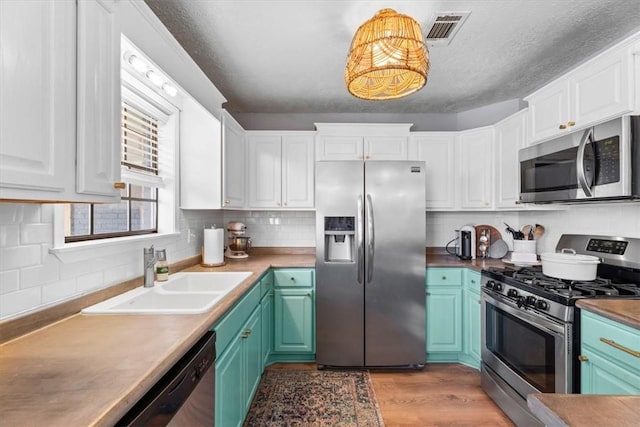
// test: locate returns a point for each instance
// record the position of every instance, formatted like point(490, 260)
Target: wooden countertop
point(625, 311)
point(575, 410)
point(90, 369)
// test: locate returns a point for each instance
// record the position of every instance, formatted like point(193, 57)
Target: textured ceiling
point(288, 56)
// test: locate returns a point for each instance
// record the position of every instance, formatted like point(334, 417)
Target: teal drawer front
point(472, 280)
point(266, 284)
point(444, 276)
point(227, 328)
point(620, 343)
point(293, 277)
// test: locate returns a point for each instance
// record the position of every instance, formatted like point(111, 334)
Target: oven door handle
point(582, 176)
point(539, 322)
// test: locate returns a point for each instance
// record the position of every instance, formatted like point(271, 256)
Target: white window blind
point(139, 140)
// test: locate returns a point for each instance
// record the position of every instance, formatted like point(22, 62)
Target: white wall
point(277, 228)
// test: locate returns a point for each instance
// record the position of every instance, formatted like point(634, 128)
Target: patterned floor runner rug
point(305, 398)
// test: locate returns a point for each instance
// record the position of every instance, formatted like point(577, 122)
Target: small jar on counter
point(162, 266)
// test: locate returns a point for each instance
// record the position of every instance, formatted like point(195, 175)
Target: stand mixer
point(237, 243)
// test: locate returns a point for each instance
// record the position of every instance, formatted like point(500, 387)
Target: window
point(148, 138)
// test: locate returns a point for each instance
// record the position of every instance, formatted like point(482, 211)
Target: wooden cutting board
point(494, 236)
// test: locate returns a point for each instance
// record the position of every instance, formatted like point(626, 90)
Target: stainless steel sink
point(183, 293)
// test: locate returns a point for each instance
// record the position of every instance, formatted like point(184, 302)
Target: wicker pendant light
point(388, 58)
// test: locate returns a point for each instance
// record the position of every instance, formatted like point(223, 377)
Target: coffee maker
point(466, 242)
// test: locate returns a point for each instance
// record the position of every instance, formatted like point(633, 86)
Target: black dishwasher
point(184, 396)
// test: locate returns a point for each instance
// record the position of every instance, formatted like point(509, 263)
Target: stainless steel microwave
point(598, 164)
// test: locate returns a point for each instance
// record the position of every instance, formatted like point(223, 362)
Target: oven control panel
point(614, 247)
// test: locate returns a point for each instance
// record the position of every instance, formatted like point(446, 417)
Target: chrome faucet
point(149, 264)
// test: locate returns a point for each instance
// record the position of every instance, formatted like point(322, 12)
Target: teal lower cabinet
point(472, 312)
point(444, 313)
point(266, 315)
point(609, 356)
point(453, 316)
point(239, 362)
point(294, 315)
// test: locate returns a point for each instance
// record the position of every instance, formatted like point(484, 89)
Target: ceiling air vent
point(444, 26)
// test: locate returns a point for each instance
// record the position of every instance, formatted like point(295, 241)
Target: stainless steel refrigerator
point(370, 264)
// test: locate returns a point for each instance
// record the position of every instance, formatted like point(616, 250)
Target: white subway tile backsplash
point(20, 256)
point(17, 302)
point(58, 291)
point(9, 281)
point(9, 235)
point(90, 282)
point(39, 275)
point(36, 233)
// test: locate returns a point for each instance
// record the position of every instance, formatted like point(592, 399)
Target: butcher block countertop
point(576, 410)
point(625, 311)
point(90, 369)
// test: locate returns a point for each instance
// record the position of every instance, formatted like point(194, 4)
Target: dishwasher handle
point(166, 397)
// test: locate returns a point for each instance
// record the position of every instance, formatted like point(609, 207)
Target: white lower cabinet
point(60, 101)
point(281, 170)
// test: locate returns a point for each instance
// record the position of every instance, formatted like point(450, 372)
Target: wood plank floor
point(440, 395)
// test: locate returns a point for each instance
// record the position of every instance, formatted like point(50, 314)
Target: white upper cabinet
point(37, 105)
point(234, 166)
point(596, 91)
point(360, 141)
point(510, 136)
point(200, 157)
point(98, 107)
point(280, 169)
point(476, 168)
point(297, 171)
point(437, 150)
point(59, 109)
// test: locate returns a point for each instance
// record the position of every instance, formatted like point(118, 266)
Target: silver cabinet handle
point(371, 244)
point(582, 178)
point(359, 240)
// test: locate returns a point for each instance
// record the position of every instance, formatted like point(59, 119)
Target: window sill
point(82, 251)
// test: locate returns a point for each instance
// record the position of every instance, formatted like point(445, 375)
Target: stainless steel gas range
point(530, 330)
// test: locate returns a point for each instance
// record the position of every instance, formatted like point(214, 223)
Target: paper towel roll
point(213, 250)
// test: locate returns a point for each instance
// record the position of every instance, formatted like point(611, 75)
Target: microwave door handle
point(359, 240)
point(582, 178)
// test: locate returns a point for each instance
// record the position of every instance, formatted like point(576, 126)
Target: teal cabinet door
point(266, 315)
point(444, 319)
point(294, 321)
point(230, 396)
point(599, 376)
point(609, 356)
point(472, 317)
point(252, 355)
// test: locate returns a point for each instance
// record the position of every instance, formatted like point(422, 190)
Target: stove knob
point(531, 300)
point(490, 284)
point(497, 287)
point(512, 293)
point(542, 305)
point(520, 301)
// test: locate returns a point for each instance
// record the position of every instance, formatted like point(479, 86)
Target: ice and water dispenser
point(339, 238)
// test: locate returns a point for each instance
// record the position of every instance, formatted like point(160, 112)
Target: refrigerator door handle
point(371, 238)
point(359, 240)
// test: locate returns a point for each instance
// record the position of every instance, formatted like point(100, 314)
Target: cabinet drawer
point(227, 328)
point(293, 277)
point(444, 276)
point(472, 281)
point(615, 341)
